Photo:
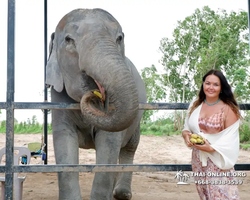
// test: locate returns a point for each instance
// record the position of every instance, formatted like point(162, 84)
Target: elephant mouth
point(97, 103)
point(101, 90)
point(100, 95)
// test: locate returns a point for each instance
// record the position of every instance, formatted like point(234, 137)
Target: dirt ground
point(145, 186)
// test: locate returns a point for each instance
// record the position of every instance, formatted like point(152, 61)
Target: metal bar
point(45, 113)
point(9, 101)
point(163, 106)
point(244, 106)
point(46, 105)
point(249, 24)
point(239, 167)
point(111, 168)
point(3, 105)
point(102, 168)
point(76, 106)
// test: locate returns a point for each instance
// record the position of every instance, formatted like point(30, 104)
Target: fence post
point(10, 101)
point(45, 113)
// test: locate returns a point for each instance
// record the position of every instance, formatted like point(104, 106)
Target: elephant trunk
point(107, 67)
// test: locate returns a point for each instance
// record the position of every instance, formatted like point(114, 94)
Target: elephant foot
point(122, 193)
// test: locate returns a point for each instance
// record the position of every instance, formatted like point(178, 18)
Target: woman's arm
point(186, 135)
point(204, 147)
point(230, 117)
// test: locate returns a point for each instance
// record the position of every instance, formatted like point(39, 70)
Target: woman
point(218, 117)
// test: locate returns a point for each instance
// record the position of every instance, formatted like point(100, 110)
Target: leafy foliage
point(203, 41)
point(28, 126)
point(155, 89)
point(164, 126)
point(244, 132)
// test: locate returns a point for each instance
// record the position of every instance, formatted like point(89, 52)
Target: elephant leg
point(66, 152)
point(122, 189)
point(107, 151)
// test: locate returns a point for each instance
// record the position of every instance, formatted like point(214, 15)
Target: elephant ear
point(54, 76)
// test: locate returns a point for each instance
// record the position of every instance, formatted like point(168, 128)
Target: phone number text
point(219, 182)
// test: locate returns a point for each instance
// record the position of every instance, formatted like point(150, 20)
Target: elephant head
point(87, 52)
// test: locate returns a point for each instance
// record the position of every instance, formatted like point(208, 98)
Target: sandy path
point(146, 186)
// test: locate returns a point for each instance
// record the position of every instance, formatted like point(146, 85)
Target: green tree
point(154, 87)
point(203, 41)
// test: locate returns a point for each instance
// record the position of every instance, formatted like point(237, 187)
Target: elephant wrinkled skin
point(87, 64)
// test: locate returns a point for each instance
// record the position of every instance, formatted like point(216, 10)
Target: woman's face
point(212, 86)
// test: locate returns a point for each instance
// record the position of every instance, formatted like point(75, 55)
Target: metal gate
point(10, 105)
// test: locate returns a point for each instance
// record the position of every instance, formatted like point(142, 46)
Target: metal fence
point(10, 105)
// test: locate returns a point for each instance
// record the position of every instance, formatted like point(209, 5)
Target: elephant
point(87, 65)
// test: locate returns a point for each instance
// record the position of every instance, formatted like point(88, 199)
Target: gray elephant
point(87, 64)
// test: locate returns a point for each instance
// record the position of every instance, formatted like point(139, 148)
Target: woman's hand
point(204, 147)
point(186, 135)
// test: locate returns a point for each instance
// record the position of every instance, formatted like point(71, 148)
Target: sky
point(144, 22)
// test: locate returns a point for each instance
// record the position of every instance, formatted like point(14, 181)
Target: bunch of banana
point(197, 139)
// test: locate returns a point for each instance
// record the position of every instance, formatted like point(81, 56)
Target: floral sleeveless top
point(214, 123)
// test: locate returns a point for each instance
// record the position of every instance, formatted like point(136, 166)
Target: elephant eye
point(119, 39)
point(68, 39)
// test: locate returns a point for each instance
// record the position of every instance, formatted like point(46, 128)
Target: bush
point(175, 133)
point(26, 127)
point(162, 122)
point(244, 133)
point(154, 128)
point(169, 127)
point(165, 131)
point(245, 146)
point(143, 128)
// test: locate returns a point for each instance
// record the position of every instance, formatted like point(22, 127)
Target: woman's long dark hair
point(226, 94)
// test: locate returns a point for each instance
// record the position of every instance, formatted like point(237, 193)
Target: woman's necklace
point(210, 104)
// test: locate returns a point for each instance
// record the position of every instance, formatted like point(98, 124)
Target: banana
point(197, 139)
point(200, 141)
point(194, 141)
point(98, 94)
point(195, 136)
